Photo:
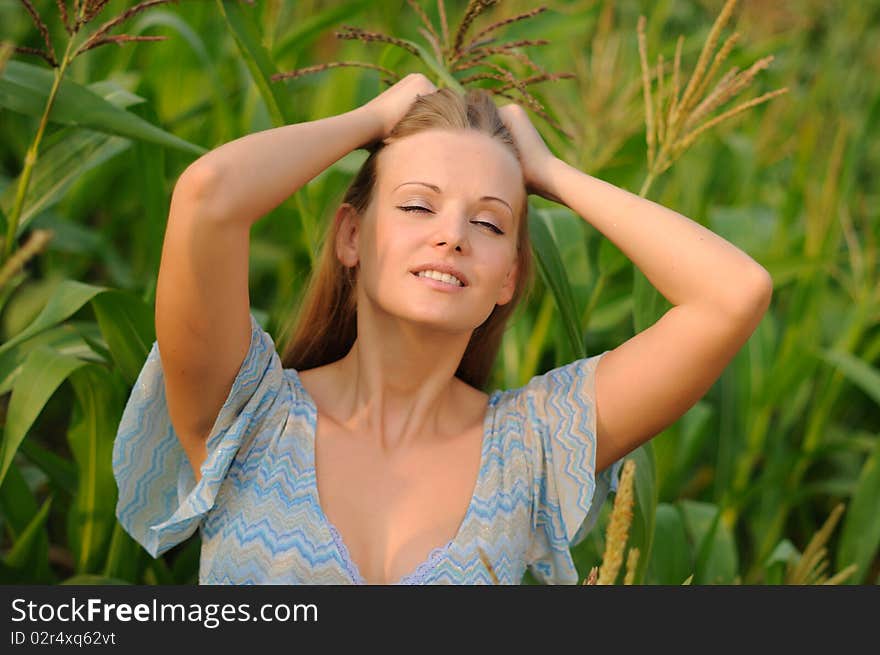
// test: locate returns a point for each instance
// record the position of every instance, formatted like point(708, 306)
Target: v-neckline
point(429, 562)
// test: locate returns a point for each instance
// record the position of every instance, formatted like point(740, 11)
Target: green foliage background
point(732, 492)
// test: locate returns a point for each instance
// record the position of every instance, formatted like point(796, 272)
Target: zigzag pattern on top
point(256, 505)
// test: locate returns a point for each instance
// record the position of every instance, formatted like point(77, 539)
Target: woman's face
point(445, 197)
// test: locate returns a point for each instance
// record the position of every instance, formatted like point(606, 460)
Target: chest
point(391, 512)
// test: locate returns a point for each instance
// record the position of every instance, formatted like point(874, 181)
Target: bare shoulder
point(470, 402)
point(319, 383)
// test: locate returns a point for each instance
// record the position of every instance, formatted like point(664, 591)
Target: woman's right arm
point(252, 175)
point(203, 323)
point(202, 300)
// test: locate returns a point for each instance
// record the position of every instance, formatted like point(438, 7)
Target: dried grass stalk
point(363, 35)
point(712, 39)
point(119, 39)
point(435, 44)
point(99, 35)
point(441, 10)
point(673, 124)
point(592, 576)
point(618, 526)
point(843, 575)
point(62, 11)
point(720, 56)
point(810, 568)
point(36, 243)
point(646, 85)
point(455, 58)
point(689, 139)
point(424, 18)
point(661, 131)
point(676, 73)
point(474, 8)
point(27, 50)
point(49, 53)
point(502, 23)
point(485, 560)
point(299, 72)
point(632, 562)
point(93, 8)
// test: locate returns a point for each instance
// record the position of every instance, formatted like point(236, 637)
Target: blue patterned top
point(256, 505)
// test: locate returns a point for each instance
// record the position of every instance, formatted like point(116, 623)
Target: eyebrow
point(438, 190)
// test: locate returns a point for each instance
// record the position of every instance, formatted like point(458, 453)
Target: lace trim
point(418, 576)
point(349, 564)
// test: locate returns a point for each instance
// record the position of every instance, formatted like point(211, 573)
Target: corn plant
point(43, 355)
point(786, 436)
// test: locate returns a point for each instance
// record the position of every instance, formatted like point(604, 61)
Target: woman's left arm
point(719, 292)
point(686, 262)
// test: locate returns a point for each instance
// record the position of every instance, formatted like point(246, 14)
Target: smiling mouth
point(438, 284)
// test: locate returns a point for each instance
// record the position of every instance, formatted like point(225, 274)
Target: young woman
point(369, 453)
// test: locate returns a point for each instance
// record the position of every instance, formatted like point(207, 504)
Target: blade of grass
point(247, 37)
point(25, 89)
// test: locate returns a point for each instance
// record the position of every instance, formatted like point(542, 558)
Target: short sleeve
point(559, 409)
point(159, 502)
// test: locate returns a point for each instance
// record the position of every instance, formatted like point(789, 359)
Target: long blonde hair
point(326, 325)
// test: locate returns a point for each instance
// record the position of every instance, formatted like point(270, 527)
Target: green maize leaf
point(125, 558)
point(149, 233)
point(11, 285)
point(776, 565)
point(306, 31)
point(67, 298)
point(43, 371)
point(64, 338)
point(28, 560)
point(185, 567)
point(679, 446)
point(552, 271)
point(860, 534)
point(91, 433)
point(17, 502)
point(90, 579)
point(65, 156)
point(127, 326)
point(735, 399)
point(648, 304)
point(860, 373)
point(159, 573)
point(645, 509)
point(716, 556)
point(24, 88)
point(247, 37)
point(436, 67)
point(60, 471)
point(206, 61)
point(671, 559)
point(58, 168)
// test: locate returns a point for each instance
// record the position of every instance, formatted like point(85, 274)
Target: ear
point(348, 223)
point(509, 286)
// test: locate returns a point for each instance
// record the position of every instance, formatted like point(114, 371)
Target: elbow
point(198, 179)
point(755, 302)
point(198, 188)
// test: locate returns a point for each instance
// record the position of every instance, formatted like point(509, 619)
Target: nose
point(452, 231)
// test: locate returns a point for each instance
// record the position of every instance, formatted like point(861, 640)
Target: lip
point(438, 284)
point(442, 268)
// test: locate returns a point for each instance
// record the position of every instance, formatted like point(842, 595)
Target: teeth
point(443, 277)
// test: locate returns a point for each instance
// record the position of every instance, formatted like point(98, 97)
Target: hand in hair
point(535, 157)
point(393, 103)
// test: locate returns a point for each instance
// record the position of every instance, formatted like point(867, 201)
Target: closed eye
point(415, 208)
